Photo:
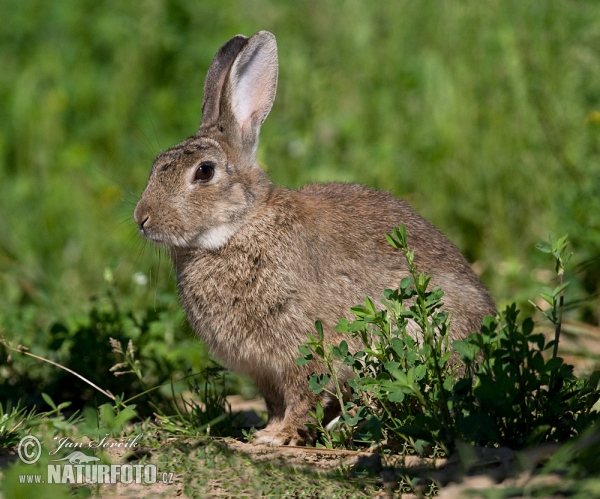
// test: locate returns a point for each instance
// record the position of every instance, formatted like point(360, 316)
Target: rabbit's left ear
point(251, 87)
point(215, 78)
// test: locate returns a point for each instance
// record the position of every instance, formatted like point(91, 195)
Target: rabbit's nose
point(141, 216)
point(141, 224)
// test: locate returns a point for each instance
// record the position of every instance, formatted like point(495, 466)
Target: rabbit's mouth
point(211, 239)
point(163, 239)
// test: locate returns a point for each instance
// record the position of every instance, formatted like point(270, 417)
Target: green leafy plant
point(412, 387)
point(514, 396)
point(17, 421)
point(555, 297)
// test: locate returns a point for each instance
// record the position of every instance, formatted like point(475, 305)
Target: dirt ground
point(489, 468)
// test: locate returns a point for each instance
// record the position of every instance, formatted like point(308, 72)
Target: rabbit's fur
point(257, 264)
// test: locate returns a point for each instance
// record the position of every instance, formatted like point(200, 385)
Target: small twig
point(154, 388)
point(23, 350)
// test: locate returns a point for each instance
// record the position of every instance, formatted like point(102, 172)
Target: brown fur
point(257, 264)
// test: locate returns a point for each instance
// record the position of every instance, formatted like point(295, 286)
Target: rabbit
point(257, 264)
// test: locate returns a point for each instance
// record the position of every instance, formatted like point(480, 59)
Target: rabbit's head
point(202, 191)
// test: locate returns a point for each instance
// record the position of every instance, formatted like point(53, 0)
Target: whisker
point(153, 127)
point(112, 179)
point(147, 142)
point(133, 200)
point(117, 225)
point(140, 256)
point(134, 237)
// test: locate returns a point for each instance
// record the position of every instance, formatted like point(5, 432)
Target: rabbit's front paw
point(283, 436)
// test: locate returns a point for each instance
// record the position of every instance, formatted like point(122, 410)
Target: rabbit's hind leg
point(287, 417)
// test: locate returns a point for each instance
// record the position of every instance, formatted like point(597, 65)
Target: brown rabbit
point(258, 264)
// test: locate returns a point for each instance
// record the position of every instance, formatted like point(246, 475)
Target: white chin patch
point(215, 238)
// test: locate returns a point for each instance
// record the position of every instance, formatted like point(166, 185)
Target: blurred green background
point(485, 116)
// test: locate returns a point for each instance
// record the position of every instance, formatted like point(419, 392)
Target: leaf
point(544, 247)
point(314, 385)
point(557, 290)
point(49, 401)
point(489, 321)
point(401, 377)
point(398, 347)
point(123, 416)
point(352, 361)
point(552, 365)
point(366, 382)
point(344, 348)
point(537, 362)
point(488, 391)
point(406, 283)
point(360, 311)
point(466, 350)
point(538, 339)
point(547, 297)
point(304, 350)
point(390, 366)
point(527, 326)
point(320, 413)
point(319, 328)
point(372, 429)
point(550, 345)
point(400, 233)
point(370, 305)
point(393, 241)
point(343, 326)
point(396, 396)
point(448, 383)
point(419, 372)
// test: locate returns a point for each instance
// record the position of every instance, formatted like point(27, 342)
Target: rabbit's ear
point(251, 87)
point(215, 78)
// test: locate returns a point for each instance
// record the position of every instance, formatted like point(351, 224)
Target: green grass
point(482, 116)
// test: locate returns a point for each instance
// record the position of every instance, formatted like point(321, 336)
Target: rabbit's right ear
point(250, 90)
point(215, 78)
point(252, 85)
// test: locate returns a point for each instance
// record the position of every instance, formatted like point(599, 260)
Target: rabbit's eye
point(205, 172)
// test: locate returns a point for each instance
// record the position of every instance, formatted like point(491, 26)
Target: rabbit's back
point(358, 217)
